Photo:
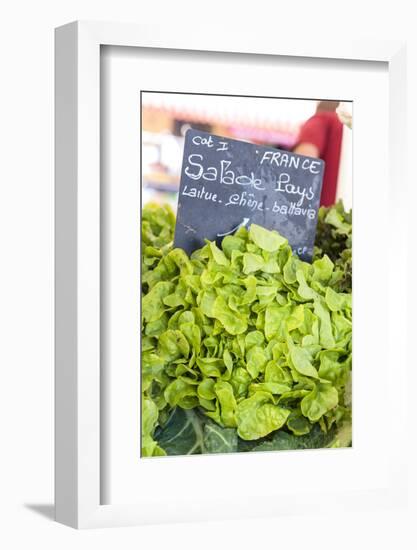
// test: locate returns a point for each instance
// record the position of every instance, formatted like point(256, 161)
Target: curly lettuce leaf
point(257, 416)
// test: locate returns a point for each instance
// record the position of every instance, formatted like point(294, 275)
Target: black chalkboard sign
point(226, 183)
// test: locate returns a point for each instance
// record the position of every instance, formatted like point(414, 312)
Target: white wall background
point(26, 272)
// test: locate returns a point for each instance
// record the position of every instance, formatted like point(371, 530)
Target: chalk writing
point(225, 181)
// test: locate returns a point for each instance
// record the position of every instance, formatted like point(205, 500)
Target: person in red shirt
point(321, 136)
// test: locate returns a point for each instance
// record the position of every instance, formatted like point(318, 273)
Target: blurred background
point(281, 123)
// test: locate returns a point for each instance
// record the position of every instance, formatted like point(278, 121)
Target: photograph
point(246, 274)
point(190, 358)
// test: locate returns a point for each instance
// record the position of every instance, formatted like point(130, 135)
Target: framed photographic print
point(211, 200)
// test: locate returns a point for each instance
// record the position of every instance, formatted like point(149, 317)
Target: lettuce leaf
point(182, 434)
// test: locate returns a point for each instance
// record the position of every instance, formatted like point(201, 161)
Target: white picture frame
point(77, 241)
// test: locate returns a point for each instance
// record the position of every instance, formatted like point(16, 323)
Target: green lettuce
point(243, 344)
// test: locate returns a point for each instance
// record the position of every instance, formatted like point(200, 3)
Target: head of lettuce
point(244, 347)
